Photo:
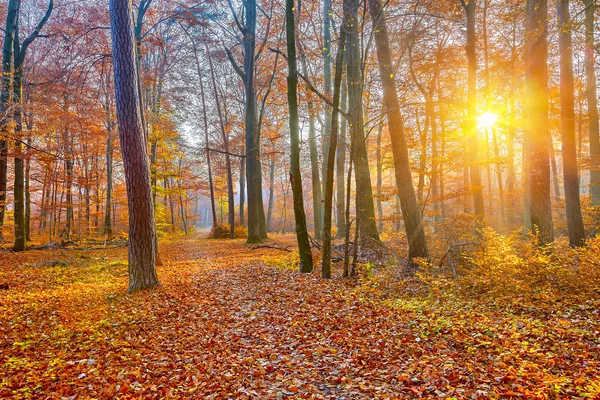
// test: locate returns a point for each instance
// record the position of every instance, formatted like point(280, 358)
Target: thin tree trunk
point(592, 101)
point(271, 196)
point(230, 194)
point(314, 160)
point(211, 186)
point(379, 179)
point(242, 190)
point(341, 165)
point(333, 147)
point(306, 261)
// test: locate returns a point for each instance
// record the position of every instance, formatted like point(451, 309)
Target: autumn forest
point(329, 199)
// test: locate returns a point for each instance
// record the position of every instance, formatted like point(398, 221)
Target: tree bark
point(362, 175)
point(252, 160)
point(379, 179)
point(333, 147)
point(341, 164)
point(271, 196)
point(537, 96)
point(417, 243)
point(5, 99)
point(314, 159)
point(567, 109)
point(592, 101)
point(474, 169)
point(142, 229)
point(306, 261)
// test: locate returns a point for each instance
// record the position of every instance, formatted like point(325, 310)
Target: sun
point(488, 119)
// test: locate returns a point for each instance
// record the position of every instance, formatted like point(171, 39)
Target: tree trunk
point(211, 186)
point(230, 194)
point(592, 101)
point(252, 163)
point(5, 99)
point(314, 160)
point(474, 170)
point(306, 261)
point(362, 175)
point(271, 196)
point(417, 243)
point(327, 88)
point(20, 228)
point(142, 229)
point(242, 190)
point(341, 165)
point(333, 147)
point(567, 109)
point(379, 179)
point(537, 96)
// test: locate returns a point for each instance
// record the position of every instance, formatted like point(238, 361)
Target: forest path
point(224, 324)
point(234, 322)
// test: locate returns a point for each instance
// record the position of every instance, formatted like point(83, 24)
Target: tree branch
point(312, 88)
point(236, 67)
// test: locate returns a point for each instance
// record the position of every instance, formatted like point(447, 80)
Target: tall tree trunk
point(20, 228)
point(341, 165)
point(592, 101)
point(540, 142)
point(252, 164)
point(333, 146)
point(417, 243)
point(474, 171)
point(306, 261)
point(142, 229)
point(379, 179)
point(211, 186)
point(230, 194)
point(327, 88)
point(510, 137)
point(5, 99)
point(69, 157)
point(271, 196)
point(364, 189)
point(242, 190)
point(567, 109)
point(314, 158)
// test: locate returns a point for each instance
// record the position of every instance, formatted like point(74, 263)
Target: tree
point(332, 148)
point(364, 189)
point(306, 261)
point(592, 100)
point(20, 51)
point(417, 243)
point(470, 7)
point(5, 98)
point(539, 141)
point(567, 110)
point(142, 230)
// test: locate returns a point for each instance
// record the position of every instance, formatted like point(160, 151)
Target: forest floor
point(233, 322)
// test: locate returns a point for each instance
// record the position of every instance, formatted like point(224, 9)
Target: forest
point(298, 199)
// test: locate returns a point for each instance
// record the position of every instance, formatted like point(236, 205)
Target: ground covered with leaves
point(235, 322)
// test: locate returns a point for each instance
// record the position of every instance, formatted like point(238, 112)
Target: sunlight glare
point(488, 119)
